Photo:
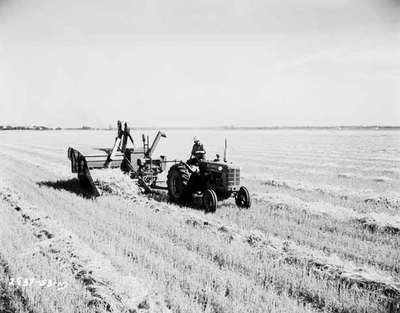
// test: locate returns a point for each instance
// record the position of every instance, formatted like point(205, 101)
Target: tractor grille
point(233, 177)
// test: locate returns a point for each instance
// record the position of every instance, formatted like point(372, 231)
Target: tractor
point(213, 181)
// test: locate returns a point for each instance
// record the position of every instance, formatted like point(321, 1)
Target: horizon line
point(232, 127)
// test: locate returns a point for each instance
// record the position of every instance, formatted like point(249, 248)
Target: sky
point(200, 62)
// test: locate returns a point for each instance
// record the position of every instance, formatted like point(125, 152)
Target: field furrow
point(322, 235)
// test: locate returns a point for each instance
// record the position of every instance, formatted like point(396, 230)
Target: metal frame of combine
point(138, 162)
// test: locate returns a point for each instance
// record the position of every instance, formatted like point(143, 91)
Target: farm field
point(322, 235)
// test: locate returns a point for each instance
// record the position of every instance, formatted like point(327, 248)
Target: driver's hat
point(196, 139)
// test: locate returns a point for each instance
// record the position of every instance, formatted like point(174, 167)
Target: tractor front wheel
point(210, 201)
point(242, 198)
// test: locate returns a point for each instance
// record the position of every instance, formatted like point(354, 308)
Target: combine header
point(138, 162)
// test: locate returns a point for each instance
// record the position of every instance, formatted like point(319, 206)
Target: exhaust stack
point(225, 148)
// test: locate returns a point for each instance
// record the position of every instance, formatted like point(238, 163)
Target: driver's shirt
point(197, 147)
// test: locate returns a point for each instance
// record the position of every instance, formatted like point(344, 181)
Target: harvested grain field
point(322, 235)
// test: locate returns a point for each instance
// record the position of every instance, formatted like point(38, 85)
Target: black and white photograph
point(200, 156)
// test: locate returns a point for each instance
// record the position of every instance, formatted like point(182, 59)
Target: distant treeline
point(27, 128)
point(370, 127)
point(34, 127)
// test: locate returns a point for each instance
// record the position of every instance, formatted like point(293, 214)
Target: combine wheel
point(242, 198)
point(177, 181)
point(210, 201)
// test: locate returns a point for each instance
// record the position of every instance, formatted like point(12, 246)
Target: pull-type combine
point(211, 181)
point(138, 162)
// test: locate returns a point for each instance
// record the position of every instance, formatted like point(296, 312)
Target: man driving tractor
point(198, 151)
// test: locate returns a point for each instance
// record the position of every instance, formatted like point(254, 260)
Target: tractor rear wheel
point(242, 198)
point(177, 182)
point(210, 201)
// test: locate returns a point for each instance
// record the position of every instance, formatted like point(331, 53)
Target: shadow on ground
point(162, 197)
point(70, 185)
point(196, 203)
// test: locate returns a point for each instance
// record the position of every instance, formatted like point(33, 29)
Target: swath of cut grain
point(372, 220)
point(332, 266)
point(108, 287)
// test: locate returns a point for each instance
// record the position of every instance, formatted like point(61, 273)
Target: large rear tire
point(210, 201)
point(177, 182)
point(242, 198)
